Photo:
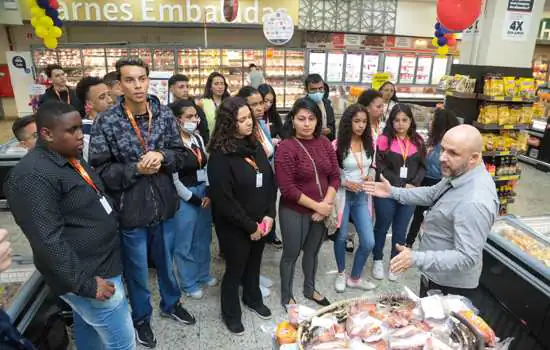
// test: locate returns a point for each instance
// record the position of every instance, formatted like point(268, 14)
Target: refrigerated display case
point(274, 72)
point(407, 69)
point(210, 61)
point(353, 68)
point(515, 281)
point(294, 76)
point(439, 69)
point(391, 65)
point(423, 70)
point(232, 68)
point(317, 63)
point(188, 64)
point(72, 64)
point(335, 67)
point(94, 62)
point(370, 66)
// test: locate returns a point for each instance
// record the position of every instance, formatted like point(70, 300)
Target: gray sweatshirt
point(455, 229)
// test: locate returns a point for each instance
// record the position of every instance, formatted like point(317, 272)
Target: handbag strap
point(314, 167)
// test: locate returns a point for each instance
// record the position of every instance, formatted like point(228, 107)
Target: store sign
point(380, 78)
point(544, 29)
point(278, 27)
point(516, 25)
point(19, 65)
point(520, 5)
point(171, 11)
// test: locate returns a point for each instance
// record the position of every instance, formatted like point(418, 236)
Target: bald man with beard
point(462, 209)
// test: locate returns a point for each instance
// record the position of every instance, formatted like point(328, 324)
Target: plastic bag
point(481, 326)
point(363, 326)
point(299, 313)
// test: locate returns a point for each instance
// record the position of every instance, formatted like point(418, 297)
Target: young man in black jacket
point(72, 229)
point(59, 91)
point(179, 87)
point(316, 90)
point(135, 146)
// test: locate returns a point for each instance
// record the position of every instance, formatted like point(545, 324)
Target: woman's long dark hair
point(443, 120)
point(208, 87)
point(223, 139)
point(272, 113)
point(390, 133)
point(345, 132)
point(304, 103)
point(394, 96)
point(247, 91)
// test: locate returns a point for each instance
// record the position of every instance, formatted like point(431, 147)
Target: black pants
point(419, 214)
point(243, 258)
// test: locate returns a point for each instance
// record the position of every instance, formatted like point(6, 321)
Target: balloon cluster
point(45, 21)
point(443, 39)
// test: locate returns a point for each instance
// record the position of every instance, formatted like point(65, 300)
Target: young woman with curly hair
point(400, 158)
point(243, 194)
point(355, 152)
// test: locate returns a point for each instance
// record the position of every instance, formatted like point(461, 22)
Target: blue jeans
point(134, 247)
point(103, 325)
point(192, 242)
point(390, 212)
point(357, 207)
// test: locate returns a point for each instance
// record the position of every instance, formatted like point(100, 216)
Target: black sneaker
point(350, 245)
point(262, 311)
point(277, 243)
point(144, 334)
point(235, 327)
point(181, 315)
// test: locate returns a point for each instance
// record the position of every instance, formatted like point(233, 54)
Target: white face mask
point(190, 127)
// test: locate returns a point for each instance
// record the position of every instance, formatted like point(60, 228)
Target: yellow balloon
point(31, 3)
point(50, 43)
point(46, 21)
point(55, 32)
point(434, 42)
point(37, 11)
point(41, 31)
point(34, 22)
point(443, 50)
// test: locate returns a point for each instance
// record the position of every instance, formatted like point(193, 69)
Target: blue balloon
point(438, 34)
point(437, 26)
point(445, 30)
point(45, 4)
point(442, 41)
point(57, 22)
point(53, 13)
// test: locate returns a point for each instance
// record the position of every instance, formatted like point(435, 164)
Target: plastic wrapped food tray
point(539, 224)
point(528, 246)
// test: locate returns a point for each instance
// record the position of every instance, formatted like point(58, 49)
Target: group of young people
point(160, 176)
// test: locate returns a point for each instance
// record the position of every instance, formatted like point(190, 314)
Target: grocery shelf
point(496, 127)
point(535, 133)
point(464, 95)
point(505, 99)
point(498, 153)
point(533, 161)
point(506, 177)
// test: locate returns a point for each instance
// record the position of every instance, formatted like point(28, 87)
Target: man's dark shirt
point(72, 237)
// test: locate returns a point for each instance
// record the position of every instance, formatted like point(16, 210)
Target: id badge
point(105, 203)
point(403, 171)
point(201, 175)
point(259, 180)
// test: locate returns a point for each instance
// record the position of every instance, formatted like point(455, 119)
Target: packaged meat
point(481, 326)
point(363, 326)
point(299, 313)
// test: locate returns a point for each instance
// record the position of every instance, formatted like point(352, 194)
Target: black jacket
point(50, 95)
point(115, 150)
point(238, 205)
point(331, 120)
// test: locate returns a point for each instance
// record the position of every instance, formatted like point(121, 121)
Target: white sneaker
point(196, 295)
point(266, 282)
point(378, 269)
point(392, 276)
point(213, 281)
point(265, 292)
point(360, 284)
point(340, 282)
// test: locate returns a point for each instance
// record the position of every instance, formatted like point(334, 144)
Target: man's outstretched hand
point(380, 189)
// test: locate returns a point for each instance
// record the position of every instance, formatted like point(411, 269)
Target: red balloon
point(451, 41)
point(457, 15)
point(54, 4)
point(449, 35)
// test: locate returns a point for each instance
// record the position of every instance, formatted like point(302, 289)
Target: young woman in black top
point(243, 193)
point(271, 116)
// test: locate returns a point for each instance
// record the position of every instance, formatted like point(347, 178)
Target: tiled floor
point(210, 333)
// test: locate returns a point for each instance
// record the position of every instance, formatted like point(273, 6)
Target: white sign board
point(278, 27)
point(20, 67)
point(516, 26)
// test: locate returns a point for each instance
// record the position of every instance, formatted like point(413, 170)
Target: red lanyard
point(252, 163)
point(359, 162)
point(59, 96)
point(404, 152)
point(83, 173)
point(261, 137)
point(144, 142)
point(198, 155)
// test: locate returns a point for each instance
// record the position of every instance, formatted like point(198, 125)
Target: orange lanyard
point(359, 162)
point(59, 96)
point(252, 163)
point(196, 152)
point(144, 142)
point(404, 152)
point(198, 155)
point(260, 134)
point(83, 173)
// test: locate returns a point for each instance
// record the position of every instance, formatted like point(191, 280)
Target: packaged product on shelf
point(504, 115)
point(493, 85)
point(516, 114)
point(509, 86)
point(526, 87)
point(488, 114)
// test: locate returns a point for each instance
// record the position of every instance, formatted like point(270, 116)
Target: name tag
point(259, 180)
point(105, 203)
point(201, 175)
point(403, 172)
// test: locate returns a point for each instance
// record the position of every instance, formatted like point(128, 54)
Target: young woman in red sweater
point(307, 172)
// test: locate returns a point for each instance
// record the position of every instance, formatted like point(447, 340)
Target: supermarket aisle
point(210, 333)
